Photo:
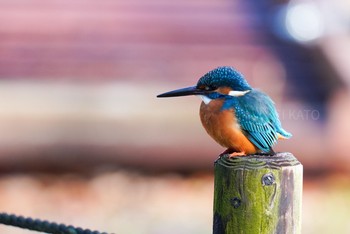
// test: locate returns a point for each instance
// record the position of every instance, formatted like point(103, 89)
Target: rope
point(42, 226)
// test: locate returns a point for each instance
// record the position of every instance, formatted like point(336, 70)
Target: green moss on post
point(258, 194)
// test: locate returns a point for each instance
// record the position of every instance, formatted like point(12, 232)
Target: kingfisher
point(238, 117)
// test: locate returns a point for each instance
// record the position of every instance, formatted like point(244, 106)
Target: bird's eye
point(209, 88)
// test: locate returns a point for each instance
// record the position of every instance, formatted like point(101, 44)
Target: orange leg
point(233, 153)
point(227, 151)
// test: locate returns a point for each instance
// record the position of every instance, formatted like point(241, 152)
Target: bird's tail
point(283, 134)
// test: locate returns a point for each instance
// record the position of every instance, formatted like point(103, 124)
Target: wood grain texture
point(258, 194)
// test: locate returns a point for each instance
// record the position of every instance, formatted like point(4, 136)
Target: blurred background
point(85, 141)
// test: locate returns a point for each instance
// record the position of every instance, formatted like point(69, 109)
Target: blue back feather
point(258, 118)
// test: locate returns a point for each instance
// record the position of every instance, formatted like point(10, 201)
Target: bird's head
point(217, 83)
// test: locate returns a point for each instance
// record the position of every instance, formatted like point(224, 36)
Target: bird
point(240, 118)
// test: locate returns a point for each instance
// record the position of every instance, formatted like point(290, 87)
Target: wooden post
point(258, 194)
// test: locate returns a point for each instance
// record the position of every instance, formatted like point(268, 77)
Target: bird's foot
point(232, 153)
point(235, 154)
point(227, 151)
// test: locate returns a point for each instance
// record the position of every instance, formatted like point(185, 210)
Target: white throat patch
point(205, 99)
point(235, 93)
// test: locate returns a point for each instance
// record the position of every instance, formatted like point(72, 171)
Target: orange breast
point(222, 126)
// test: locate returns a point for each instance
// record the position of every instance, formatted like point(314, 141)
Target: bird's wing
point(257, 116)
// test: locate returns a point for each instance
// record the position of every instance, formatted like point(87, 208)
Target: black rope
point(42, 226)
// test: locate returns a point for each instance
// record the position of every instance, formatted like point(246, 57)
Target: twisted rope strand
point(42, 225)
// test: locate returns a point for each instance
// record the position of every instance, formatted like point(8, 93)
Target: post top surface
point(276, 161)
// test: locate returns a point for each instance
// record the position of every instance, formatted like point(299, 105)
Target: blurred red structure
point(78, 83)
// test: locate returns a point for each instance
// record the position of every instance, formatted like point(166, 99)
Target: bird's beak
point(183, 92)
